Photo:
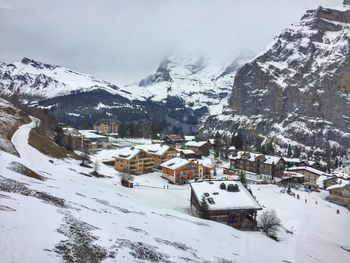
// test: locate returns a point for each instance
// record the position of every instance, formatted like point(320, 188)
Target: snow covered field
point(65, 215)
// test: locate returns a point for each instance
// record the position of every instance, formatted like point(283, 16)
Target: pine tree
point(59, 135)
point(297, 152)
point(204, 207)
point(289, 152)
point(243, 179)
point(122, 132)
point(239, 141)
point(217, 144)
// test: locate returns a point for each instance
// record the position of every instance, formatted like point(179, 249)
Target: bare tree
point(84, 157)
point(269, 223)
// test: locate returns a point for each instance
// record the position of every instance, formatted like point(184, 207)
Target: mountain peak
point(37, 64)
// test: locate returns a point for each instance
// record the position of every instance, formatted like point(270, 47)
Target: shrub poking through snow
point(269, 223)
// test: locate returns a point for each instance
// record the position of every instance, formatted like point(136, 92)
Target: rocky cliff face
point(297, 92)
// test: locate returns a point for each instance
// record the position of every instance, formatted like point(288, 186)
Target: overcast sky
point(123, 41)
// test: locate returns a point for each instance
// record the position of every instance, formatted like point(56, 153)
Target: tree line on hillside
point(147, 129)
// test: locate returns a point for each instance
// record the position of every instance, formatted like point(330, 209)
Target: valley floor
point(61, 213)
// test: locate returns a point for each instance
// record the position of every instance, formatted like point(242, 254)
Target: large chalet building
point(142, 158)
point(180, 171)
point(229, 203)
point(263, 167)
point(106, 127)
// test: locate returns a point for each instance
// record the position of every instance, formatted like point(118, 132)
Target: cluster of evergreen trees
point(147, 129)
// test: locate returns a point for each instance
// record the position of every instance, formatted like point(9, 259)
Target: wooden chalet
point(180, 171)
point(229, 203)
point(340, 194)
point(198, 146)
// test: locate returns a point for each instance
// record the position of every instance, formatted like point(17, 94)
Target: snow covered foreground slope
point(66, 216)
point(87, 219)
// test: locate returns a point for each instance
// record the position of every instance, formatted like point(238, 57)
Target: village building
point(142, 158)
point(319, 165)
point(133, 160)
point(160, 153)
point(258, 168)
point(198, 146)
point(189, 154)
point(290, 178)
point(229, 203)
point(106, 127)
point(310, 174)
point(173, 139)
point(92, 141)
point(340, 194)
point(291, 162)
point(325, 181)
point(180, 171)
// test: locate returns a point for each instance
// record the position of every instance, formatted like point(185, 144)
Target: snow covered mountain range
point(298, 91)
point(182, 91)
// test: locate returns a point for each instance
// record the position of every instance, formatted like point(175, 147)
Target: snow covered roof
point(186, 151)
point(205, 162)
point(127, 153)
point(272, 159)
point(340, 184)
point(156, 149)
point(292, 160)
point(307, 168)
point(295, 175)
point(90, 134)
point(196, 144)
point(269, 158)
point(189, 137)
point(322, 178)
point(175, 163)
point(232, 148)
point(212, 141)
point(224, 199)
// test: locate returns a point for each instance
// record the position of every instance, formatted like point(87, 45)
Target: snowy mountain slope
point(63, 215)
point(40, 80)
point(197, 80)
point(10, 119)
point(78, 99)
point(298, 90)
point(95, 219)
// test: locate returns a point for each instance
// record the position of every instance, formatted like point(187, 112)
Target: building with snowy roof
point(198, 146)
point(259, 168)
point(142, 158)
point(340, 193)
point(310, 174)
point(179, 171)
point(229, 202)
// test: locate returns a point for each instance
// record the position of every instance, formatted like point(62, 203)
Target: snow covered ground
point(65, 215)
